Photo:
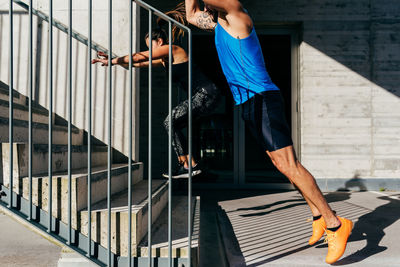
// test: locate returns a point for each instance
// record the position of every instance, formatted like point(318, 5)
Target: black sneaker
point(196, 170)
point(181, 172)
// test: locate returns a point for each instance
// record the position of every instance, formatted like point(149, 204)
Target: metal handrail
point(170, 21)
point(162, 15)
point(69, 236)
point(62, 27)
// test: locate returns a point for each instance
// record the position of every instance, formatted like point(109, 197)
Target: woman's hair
point(178, 14)
point(156, 34)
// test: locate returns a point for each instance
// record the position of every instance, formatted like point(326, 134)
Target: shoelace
point(330, 237)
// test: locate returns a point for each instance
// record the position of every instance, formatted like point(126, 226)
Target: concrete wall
point(120, 89)
point(349, 69)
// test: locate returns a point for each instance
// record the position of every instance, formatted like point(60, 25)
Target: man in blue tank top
point(243, 64)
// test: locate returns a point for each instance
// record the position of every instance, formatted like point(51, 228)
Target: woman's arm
point(154, 63)
point(158, 53)
point(140, 57)
point(198, 17)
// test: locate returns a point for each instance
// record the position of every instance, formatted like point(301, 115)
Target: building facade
point(338, 65)
point(336, 62)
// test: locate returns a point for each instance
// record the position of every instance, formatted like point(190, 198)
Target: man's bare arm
point(204, 21)
point(227, 6)
point(197, 17)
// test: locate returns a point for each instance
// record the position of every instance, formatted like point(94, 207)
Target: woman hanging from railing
point(205, 92)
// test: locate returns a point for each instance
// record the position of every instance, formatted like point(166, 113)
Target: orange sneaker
point(337, 241)
point(318, 228)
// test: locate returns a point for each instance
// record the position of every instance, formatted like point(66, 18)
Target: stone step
point(119, 216)
point(21, 112)
point(40, 133)
point(40, 160)
point(4, 94)
point(179, 231)
point(21, 104)
point(79, 188)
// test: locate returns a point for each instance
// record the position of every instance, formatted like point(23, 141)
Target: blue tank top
point(242, 62)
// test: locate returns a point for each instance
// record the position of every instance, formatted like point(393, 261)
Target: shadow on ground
point(266, 232)
point(370, 227)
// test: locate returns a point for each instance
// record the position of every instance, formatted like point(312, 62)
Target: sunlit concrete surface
point(272, 229)
point(20, 246)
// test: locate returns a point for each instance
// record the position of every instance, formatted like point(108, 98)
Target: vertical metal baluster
point(69, 118)
point(11, 93)
point(150, 143)
point(30, 109)
point(50, 113)
point(89, 118)
point(109, 128)
point(190, 151)
point(170, 145)
point(130, 137)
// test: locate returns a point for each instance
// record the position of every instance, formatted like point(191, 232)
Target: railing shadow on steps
point(39, 197)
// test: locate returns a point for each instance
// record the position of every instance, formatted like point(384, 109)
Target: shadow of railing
point(278, 229)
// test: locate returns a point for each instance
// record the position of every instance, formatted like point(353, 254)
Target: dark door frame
point(239, 128)
point(239, 169)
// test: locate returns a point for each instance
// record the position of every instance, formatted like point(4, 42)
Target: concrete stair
point(179, 231)
point(40, 133)
point(40, 119)
point(119, 216)
point(79, 184)
point(40, 127)
point(21, 112)
point(17, 97)
point(40, 160)
point(79, 189)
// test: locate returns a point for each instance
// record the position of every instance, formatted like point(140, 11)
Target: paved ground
point(258, 229)
point(272, 229)
point(19, 246)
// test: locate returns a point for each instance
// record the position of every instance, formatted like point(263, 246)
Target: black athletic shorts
point(264, 115)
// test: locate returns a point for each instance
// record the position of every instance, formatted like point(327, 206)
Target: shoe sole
point(183, 176)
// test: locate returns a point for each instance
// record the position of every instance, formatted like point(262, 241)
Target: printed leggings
point(203, 102)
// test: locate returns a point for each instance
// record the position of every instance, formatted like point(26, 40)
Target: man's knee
point(284, 161)
point(282, 164)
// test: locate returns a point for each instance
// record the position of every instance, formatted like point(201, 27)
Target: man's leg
point(318, 225)
point(286, 162)
point(339, 229)
point(314, 210)
point(185, 161)
point(263, 114)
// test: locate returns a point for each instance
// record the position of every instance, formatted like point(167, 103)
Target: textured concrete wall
point(349, 82)
point(385, 106)
point(120, 99)
point(349, 69)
